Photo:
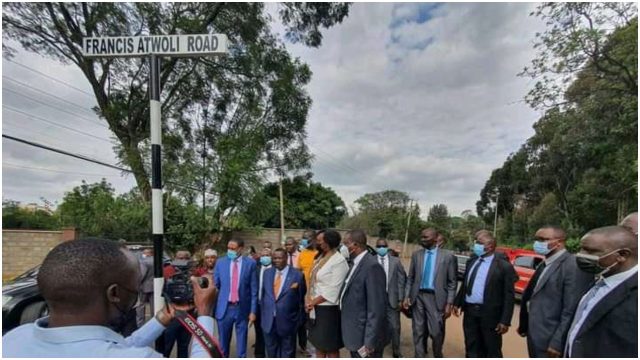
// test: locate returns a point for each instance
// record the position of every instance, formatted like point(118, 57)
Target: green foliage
point(579, 169)
point(439, 218)
point(16, 217)
point(463, 229)
point(307, 204)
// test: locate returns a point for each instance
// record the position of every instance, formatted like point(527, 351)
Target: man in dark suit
point(363, 301)
point(282, 311)
point(486, 297)
point(605, 324)
point(550, 299)
point(396, 278)
point(263, 265)
point(430, 292)
point(237, 283)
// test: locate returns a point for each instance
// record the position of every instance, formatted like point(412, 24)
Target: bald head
point(615, 247)
point(631, 223)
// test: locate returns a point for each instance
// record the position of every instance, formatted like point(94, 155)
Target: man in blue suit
point(283, 291)
point(237, 283)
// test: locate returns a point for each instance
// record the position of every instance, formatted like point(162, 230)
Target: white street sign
point(162, 45)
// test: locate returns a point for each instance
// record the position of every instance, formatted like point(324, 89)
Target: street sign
point(161, 45)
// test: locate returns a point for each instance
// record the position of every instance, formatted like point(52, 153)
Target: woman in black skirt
point(322, 301)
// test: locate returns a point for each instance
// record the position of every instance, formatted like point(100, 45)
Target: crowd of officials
point(327, 292)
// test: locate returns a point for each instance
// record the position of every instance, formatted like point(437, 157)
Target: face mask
point(304, 243)
point(591, 263)
point(232, 254)
point(541, 247)
point(478, 249)
point(265, 260)
point(126, 316)
point(382, 251)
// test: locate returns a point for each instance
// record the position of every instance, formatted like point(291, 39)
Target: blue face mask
point(232, 254)
point(265, 260)
point(382, 251)
point(478, 249)
point(304, 243)
point(541, 247)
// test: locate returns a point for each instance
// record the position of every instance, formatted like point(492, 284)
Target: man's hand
point(447, 311)
point(252, 319)
point(456, 311)
point(168, 313)
point(406, 304)
point(553, 353)
point(501, 329)
point(203, 299)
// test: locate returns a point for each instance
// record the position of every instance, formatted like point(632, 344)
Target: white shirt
point(548, 261)
point(262, 270)
point(329, 280)
point(610, 283)
point(356, 262)
point(385, 266)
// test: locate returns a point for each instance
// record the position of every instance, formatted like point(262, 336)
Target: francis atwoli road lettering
point(169, 45)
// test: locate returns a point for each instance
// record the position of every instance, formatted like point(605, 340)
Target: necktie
point(536, 276)
point(382, 261)
point(426, 272)
point(581, 308)
point(234, 283)
point(276, 284)
point(472, 278)
point(290, 260)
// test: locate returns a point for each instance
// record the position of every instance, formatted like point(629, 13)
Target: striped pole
point(156, 186)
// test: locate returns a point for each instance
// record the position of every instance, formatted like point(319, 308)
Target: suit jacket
point(364, 306)
point(499, 293)
point(247, 286)
point(397, 281)
point(552, 304)
point(287, 311)
point(611, 328)
point(146, 268)
point(444, 282)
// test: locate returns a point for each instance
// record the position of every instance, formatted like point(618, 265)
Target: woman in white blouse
point(322, 301)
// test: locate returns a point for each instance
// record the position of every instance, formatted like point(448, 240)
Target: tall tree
point(439, 217)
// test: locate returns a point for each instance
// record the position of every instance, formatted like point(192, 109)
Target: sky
point(417, 97)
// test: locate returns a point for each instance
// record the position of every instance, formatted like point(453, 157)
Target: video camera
point(178, 288)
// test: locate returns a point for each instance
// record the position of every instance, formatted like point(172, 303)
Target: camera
point(178, 288)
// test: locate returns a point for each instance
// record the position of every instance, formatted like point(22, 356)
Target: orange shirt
point(305, 263)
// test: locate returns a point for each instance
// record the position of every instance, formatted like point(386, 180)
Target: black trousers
point(175, 332)
point(375, 354)
point(302, 335)
point(260, 346)
point(480, 338)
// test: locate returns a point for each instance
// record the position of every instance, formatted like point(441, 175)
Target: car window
point(462, 259)
point(525, 261)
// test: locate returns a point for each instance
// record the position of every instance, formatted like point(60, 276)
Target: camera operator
point(175, 332)
point(87, 306)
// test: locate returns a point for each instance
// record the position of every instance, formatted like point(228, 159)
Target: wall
point(24, 249)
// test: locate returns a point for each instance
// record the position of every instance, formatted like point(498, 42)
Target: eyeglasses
point(381, 246)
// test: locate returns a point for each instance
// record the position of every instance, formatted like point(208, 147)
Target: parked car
point(21, 301)
point(462, 265)
point(525, 263)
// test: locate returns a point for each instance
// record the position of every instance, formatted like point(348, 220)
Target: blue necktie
point(426, 273)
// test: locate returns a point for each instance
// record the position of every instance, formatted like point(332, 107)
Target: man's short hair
point(558, 231)
point(309, 234)
point(359, 237)
point(282, 250)
point(75, 272)
point(240, 242)
point(332, 238)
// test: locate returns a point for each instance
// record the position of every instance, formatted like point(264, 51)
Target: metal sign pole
point(156, 186)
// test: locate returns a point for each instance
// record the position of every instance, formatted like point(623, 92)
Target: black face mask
point(126, 314)
point(591, 263)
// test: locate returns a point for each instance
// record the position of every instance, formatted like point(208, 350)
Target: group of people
point(328, 292)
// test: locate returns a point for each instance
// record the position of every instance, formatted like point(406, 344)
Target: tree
point(16, 217)
point(439, 218)
point(307, 204)
point(255, 96)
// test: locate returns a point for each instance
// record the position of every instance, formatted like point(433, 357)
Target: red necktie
point(234, 283)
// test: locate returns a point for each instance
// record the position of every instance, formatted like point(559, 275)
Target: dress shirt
point(609, 283)
point(356, 262)
point(38, 340)
point(432, 271)
point(329, 280)
point(548, 261)
point(283, 277)
point(239, 260)
point(477, 292)
point(262, 270)
point(294, 258)
point(385, 266)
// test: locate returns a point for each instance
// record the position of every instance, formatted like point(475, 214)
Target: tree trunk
point(134, 160)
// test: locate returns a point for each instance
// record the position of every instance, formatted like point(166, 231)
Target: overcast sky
point(421, 98)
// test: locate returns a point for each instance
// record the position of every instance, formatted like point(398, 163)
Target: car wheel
point(33, 312)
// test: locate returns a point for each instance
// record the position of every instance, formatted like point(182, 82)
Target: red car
point(524, 262)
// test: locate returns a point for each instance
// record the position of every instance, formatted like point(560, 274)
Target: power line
point(4, 163)
point(11, 108)
point(45, 93)
point(55, 107)
point(50, 77)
